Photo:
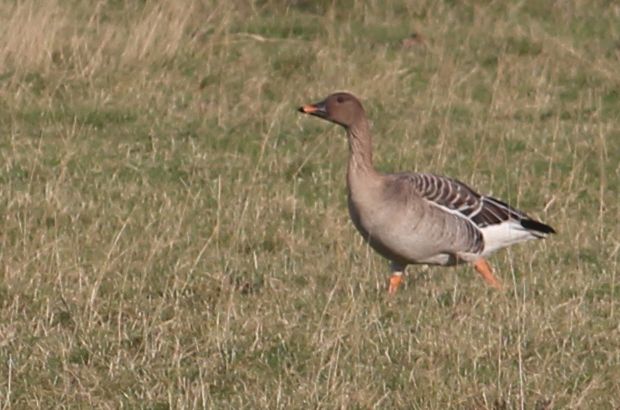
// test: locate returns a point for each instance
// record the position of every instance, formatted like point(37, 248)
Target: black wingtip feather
point(536, 226)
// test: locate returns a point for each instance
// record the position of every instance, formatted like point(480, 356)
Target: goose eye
point(340, 99)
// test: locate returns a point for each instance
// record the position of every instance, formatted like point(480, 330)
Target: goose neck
point(360, 148)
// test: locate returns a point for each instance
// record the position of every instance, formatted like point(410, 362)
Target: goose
point(420, 218)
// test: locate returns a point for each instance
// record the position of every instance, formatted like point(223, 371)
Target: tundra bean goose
point(420, 218)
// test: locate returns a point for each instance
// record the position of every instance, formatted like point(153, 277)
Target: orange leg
point(397, 277)
point(483, 267)
point(395, 280)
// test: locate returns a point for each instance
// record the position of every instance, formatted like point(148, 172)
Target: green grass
point(175, 235)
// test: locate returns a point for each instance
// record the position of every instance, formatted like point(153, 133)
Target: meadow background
point(174, 234)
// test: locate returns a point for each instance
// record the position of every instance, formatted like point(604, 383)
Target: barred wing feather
point(483, 211)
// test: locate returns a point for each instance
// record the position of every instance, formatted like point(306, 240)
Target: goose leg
point(484, 269)
point(397, 277)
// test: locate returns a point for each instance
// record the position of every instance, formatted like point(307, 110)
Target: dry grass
point(174, 235)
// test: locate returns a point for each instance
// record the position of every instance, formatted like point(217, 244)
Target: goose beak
point(318, 109)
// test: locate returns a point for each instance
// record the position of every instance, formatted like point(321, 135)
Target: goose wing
point(455, 197)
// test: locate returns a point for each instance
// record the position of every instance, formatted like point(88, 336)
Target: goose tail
point(538, 229)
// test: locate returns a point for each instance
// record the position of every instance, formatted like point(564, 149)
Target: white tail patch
point(504, 234)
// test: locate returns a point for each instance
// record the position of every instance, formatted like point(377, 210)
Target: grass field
point(174, 235)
